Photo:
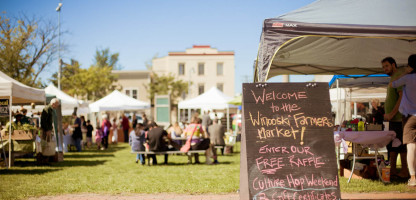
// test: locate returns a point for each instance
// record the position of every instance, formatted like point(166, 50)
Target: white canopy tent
point(68, 103)
point(18, 93)
point(117, 101)
point(337, 37)
point(347, 89)
point(211, 99)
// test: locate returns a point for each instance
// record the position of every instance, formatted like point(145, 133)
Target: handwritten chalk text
point(274, 95)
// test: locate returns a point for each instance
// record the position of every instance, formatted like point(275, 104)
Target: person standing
point(84, 131)
point(126, 127)
point(206, 121)
point(46, 123)
point(408, 109)
point(25, 119)
point(134, 121)
point(136, 141)
point(114, 139)
point(105, 126)
point(77, 133)
point(216, 132)
point(145, 121)
point(393, 116)
point(89, 133)
point(377, 112)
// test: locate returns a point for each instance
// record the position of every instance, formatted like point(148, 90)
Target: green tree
point(27, 47)
point(166, 84)
point(92, 83)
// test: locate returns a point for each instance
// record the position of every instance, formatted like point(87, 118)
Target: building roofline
point(130, 71)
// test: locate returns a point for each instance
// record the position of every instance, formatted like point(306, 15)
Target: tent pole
point(236, 119)
point(189, 115)
point(355, 109)
point(179, 114)
point(228, 118)
point(10, 132)
point(338, 106)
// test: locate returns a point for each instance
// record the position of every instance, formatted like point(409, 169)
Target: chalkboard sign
point(4, 107)
point(288, 150)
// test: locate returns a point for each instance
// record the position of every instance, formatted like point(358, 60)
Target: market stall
point(117, 101)
point(337, 37)
point(14, 92)
point(353, 89)
point(68, 103)
point(211, 99)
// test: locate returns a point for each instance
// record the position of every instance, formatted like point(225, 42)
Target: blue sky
point(139, 30)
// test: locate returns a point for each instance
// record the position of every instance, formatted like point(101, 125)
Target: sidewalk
point(231, 196)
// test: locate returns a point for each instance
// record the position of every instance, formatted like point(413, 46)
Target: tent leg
point(338, 106)
point(189, 115)
point(179, 115)
point(228, 118)
point(10, 132)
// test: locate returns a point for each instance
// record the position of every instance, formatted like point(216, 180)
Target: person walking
point(394, 117)
point(408, 110)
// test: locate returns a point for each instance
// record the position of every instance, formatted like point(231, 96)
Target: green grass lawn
point(114, 171)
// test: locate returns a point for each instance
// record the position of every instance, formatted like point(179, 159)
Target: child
point(136, 141)
point(89, 133)
point(98, 137)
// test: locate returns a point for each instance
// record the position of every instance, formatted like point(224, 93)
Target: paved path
point(231, 196)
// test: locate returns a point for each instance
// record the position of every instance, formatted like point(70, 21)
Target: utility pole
point(58, 9)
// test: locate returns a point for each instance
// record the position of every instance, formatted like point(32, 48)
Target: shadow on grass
point(397, 180)
point(93, 149)
point(87, 155)
point(75, 163)
point(26, 171)
point(185, 164)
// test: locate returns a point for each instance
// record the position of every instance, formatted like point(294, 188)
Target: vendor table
point(371, 139)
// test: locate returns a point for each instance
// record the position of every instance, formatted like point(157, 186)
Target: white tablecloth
point(372, 139)
point(68, 140)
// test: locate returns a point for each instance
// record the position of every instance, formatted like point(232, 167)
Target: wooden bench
point(228, 148)
point(145, 153)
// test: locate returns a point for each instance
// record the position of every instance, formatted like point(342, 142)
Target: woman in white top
point(114, 139)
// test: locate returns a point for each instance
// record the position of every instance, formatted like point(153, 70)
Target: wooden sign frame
point(287, 146)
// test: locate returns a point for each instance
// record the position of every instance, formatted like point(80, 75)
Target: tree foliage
point(166, 84)
point(27, 47)
point(92, 83)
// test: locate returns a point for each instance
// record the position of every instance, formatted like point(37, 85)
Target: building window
point(201, 68)
point(220, 87)
point(134, 94)
point(181, 68)
point(201, 89)
point(220, 69)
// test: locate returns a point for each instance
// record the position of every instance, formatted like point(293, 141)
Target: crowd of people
point(202, 134)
